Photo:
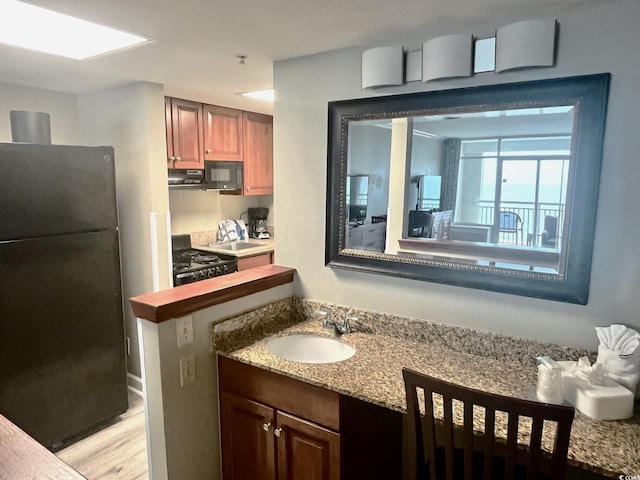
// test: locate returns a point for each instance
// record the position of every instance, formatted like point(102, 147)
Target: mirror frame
point(588, 94)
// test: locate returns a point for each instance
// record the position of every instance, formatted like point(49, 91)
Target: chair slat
point(467, 440)
point(489, 442)
point(534, 447)
point(430, 443)
point(448, 436)
point(512, 444)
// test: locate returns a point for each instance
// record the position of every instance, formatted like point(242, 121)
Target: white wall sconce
point(382, 67)
point(413, 66)
point(447, 57)
point(531, 43)
point(484, 55)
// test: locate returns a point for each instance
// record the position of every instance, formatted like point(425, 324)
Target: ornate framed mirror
point(491, 187)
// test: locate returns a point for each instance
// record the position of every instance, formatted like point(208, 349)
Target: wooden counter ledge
point(179, 301)
point(22, 458)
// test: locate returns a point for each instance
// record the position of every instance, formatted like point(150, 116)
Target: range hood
point(190, 179)
point(187, 178)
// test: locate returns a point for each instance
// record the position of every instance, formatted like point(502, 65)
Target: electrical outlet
point(187, 370)
point(184, 331)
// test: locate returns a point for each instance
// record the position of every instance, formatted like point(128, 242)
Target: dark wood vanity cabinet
point(277, 428)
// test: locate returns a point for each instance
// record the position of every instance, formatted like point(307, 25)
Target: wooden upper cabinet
point(222, 133)
point(258, 153)
point(184, 134)
point(169, 127)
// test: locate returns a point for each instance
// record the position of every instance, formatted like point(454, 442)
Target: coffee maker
point(258, 222)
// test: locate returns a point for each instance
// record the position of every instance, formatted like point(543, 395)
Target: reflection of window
point(525, 175)
point(429, 192)
point(357, 197)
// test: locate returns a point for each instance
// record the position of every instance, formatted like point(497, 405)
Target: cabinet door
point(222, 133)
point(306, 450)
point(258, 154)
point(169, 127)
point(245, 263)
point(248, 450)
point(186, 126)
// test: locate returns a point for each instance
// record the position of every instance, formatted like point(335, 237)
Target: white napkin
point(619, 355)
point(618, 338)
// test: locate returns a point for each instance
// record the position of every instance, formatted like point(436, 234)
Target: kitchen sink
point(309, 348)
point(233, 246)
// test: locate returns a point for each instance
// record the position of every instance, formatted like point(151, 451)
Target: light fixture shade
point(382, 67)
point(531, 43)
point(484, 55)
point(447, 57)
point(413, 66)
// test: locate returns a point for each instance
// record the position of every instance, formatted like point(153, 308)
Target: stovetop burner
point(199, 258)
point(191, 265)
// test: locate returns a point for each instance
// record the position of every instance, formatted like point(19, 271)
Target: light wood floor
point(118, 452)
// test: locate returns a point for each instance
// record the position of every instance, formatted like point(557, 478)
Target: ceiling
point(196, 43)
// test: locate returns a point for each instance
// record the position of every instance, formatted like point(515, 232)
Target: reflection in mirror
point(465, 184)
point(428, 192)
point(508, 174)
point(357, 198)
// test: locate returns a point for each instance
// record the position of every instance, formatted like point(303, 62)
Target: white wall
point(183, 428)
point(594, 37)
point(200, 210)
point(131, 119)
point(60, 106)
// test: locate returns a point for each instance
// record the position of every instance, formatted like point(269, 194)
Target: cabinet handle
point(178, 158)
point(277, 432)
point(265, 426)
point(208, 150)
point(172, 158)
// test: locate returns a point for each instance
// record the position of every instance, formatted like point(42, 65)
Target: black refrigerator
point(62, 354)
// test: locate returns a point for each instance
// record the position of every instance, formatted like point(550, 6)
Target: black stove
point(192, 265)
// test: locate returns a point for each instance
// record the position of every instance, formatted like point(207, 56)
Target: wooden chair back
point(444, 445)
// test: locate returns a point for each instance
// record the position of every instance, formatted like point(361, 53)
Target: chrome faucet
point(338, 327)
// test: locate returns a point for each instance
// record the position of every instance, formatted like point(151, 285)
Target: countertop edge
point(22, 457)
point(261, 248)
point(175, 302)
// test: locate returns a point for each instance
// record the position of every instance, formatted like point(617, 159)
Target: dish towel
point(619, 354)
point(227, 231)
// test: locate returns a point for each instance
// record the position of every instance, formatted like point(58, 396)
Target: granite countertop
point(374, 374)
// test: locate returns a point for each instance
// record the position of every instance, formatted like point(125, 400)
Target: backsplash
point(203, 238)
point(270, 319)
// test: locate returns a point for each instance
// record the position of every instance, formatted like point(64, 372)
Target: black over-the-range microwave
point(216, 175)
point(223, 175)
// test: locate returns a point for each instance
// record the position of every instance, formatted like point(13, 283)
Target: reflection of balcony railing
point(428, 203)
point(532, 216)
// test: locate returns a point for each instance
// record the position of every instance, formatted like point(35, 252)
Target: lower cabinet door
point(247, 431)
point(306, 451)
